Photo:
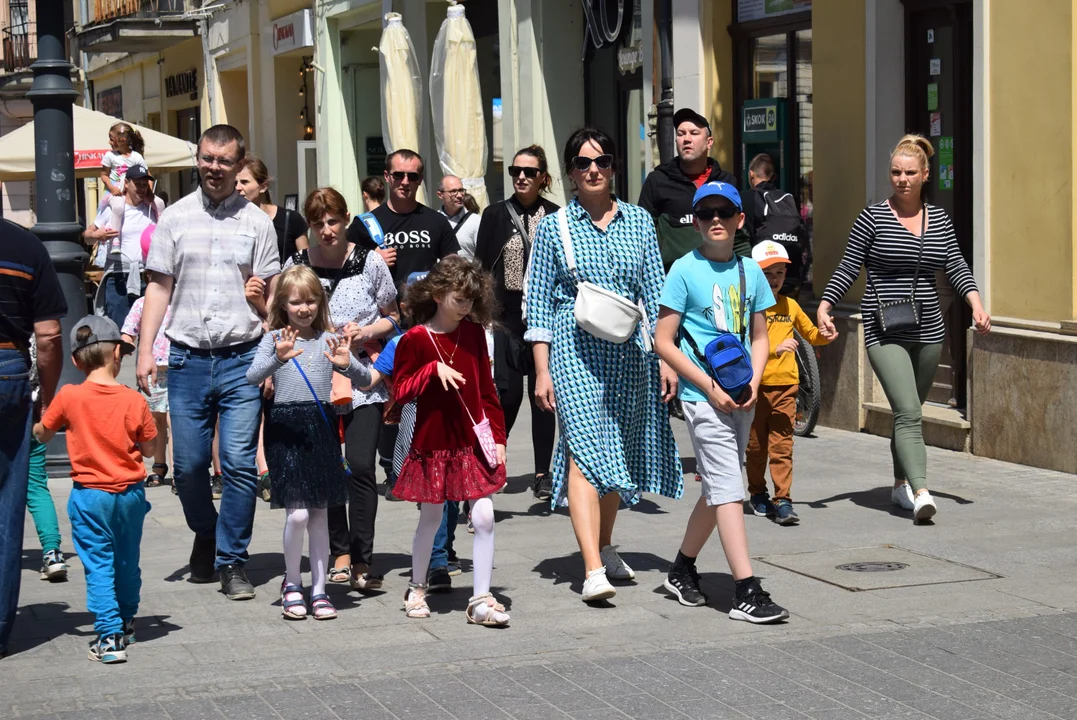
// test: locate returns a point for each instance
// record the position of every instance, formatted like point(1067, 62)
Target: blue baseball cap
point(717, 189)
point(416, 277)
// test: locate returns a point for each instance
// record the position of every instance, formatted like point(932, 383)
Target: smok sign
point(292, 32)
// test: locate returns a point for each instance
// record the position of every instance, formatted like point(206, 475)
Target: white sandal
point(415, 602)
point(493, 607)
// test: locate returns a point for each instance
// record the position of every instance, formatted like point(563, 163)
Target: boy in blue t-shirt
point(703, 293)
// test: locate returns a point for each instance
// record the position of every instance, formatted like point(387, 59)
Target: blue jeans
point(106, 529)
point(204, 385)
point(117, 302)
point(446, 535)
point(14, 470)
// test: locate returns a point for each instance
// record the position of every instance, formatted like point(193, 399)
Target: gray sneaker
point(234, 583)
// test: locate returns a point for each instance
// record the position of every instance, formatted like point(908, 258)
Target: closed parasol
point(456, 105)
point(401, 89)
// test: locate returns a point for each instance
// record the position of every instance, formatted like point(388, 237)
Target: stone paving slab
point(1006, 648)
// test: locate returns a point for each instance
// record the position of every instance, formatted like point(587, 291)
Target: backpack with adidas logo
point(780, 222)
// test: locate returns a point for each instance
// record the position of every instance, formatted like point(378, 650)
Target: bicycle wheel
point(808, 396)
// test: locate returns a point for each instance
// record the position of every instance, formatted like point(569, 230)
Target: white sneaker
point(616, 568)
point(902, 495)
point(924, 506)
point(597, 587)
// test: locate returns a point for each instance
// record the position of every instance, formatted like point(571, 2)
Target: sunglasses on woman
point(529, 172)
point(707, 214)
point(399, 176)
point(583, 164)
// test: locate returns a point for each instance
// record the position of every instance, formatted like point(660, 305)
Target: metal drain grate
point(872, 567)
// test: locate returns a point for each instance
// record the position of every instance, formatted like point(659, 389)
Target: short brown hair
point(302, 278)
point(762, 166)
point(457, 275)
point(94, 356)
point(324, 201)
point(374, 187)
point(405, 154)
point(222, 135)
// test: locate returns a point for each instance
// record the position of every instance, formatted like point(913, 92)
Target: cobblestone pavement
point(982, 623)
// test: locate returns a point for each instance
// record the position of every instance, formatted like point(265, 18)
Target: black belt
point(231, 350)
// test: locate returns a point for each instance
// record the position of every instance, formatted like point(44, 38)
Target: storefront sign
point(605, 20)
point(375, 156)
point(629, 59)
point(110, 101)
point(748, 10)
point(761, 118)
point(292, 32)
point(184, 83)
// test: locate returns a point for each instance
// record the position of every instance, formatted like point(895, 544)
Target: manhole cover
point(872, 566)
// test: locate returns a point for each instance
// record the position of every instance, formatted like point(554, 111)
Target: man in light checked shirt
point(204, 250)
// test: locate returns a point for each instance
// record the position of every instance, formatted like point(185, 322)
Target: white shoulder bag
point(600, 312)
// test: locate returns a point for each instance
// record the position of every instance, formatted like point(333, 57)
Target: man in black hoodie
point(667, 193)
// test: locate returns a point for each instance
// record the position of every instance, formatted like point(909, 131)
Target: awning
point(164, 153)
point(137, 35)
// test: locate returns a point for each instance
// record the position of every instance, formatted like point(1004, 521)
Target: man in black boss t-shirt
point(416, 236)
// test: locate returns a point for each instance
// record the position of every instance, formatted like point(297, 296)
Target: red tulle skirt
point(434, 477)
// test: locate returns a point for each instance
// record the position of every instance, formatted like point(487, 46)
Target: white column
point(981, 158)
point(688, 65)
point(884, 91)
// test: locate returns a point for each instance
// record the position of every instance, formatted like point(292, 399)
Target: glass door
point(939, 105)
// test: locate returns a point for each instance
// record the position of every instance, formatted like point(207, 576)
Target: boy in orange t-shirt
point(775, 412)
point(109, 430)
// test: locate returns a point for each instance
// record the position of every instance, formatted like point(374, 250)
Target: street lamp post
point(53, 95)
point(665, 102)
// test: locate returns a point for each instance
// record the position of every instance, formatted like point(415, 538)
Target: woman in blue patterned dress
point(615, 439)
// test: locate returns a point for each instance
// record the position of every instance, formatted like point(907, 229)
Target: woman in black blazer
point(503, 247)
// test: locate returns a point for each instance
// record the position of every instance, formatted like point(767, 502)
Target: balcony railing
point(20, 46)
point(111, 9)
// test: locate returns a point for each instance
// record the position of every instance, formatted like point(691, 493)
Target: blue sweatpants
point(106, 529)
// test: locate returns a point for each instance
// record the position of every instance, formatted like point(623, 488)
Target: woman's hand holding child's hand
point(339, 351)
point(448, 377)
point(284, 342)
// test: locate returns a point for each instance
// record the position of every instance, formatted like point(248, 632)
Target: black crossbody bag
point(899, 316)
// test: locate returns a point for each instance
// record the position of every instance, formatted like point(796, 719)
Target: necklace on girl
point(456, 343)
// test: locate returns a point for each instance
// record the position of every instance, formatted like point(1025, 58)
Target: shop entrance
point(938, 104)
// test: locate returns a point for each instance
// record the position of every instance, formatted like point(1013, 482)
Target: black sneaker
point(129, 631)
point(684, 583)
point(390, 481)
point(234, 583)
point(543, 486)
point(203, 556)
point(216, 486)
point(755, 606)
point(438, 580)
point(784, 513)
point(109, 649)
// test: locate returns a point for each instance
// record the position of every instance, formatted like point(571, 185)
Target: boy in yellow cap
point(771, 437)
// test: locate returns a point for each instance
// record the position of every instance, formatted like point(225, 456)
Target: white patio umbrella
point(456, 104)
point(401, 89)
point(164, 153)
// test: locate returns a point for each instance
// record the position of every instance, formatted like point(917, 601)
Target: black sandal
point(157, 479)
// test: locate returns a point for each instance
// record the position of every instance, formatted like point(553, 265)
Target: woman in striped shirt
point(886, 239)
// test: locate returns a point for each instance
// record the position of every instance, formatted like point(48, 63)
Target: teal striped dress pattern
point(610, 413)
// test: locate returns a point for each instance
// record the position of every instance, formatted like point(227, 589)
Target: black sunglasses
point(583, 164)
point(529, 172)
point(399, 176)
point(707, 214)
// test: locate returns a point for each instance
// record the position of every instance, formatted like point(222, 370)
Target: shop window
point(770, 67)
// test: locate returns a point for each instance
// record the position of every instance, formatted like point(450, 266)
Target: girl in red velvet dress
point(458, 448)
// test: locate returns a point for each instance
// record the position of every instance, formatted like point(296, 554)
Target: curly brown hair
point(457, 275)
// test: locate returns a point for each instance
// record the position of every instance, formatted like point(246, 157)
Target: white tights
point(482, 518)
point(316, 524)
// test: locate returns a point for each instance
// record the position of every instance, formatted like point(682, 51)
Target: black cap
point(692, 116)
point(138, 172)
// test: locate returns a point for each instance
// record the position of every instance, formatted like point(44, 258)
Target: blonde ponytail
point(917, 146)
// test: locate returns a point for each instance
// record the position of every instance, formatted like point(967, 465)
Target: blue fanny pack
point(729, 362)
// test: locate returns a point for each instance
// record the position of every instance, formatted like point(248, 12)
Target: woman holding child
point(902, 242)
point(616, 442)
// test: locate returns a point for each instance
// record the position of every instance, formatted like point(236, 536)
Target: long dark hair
point(135, 143)
point(457, 275)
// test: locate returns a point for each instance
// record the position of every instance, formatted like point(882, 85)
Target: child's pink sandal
point(321, 608)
